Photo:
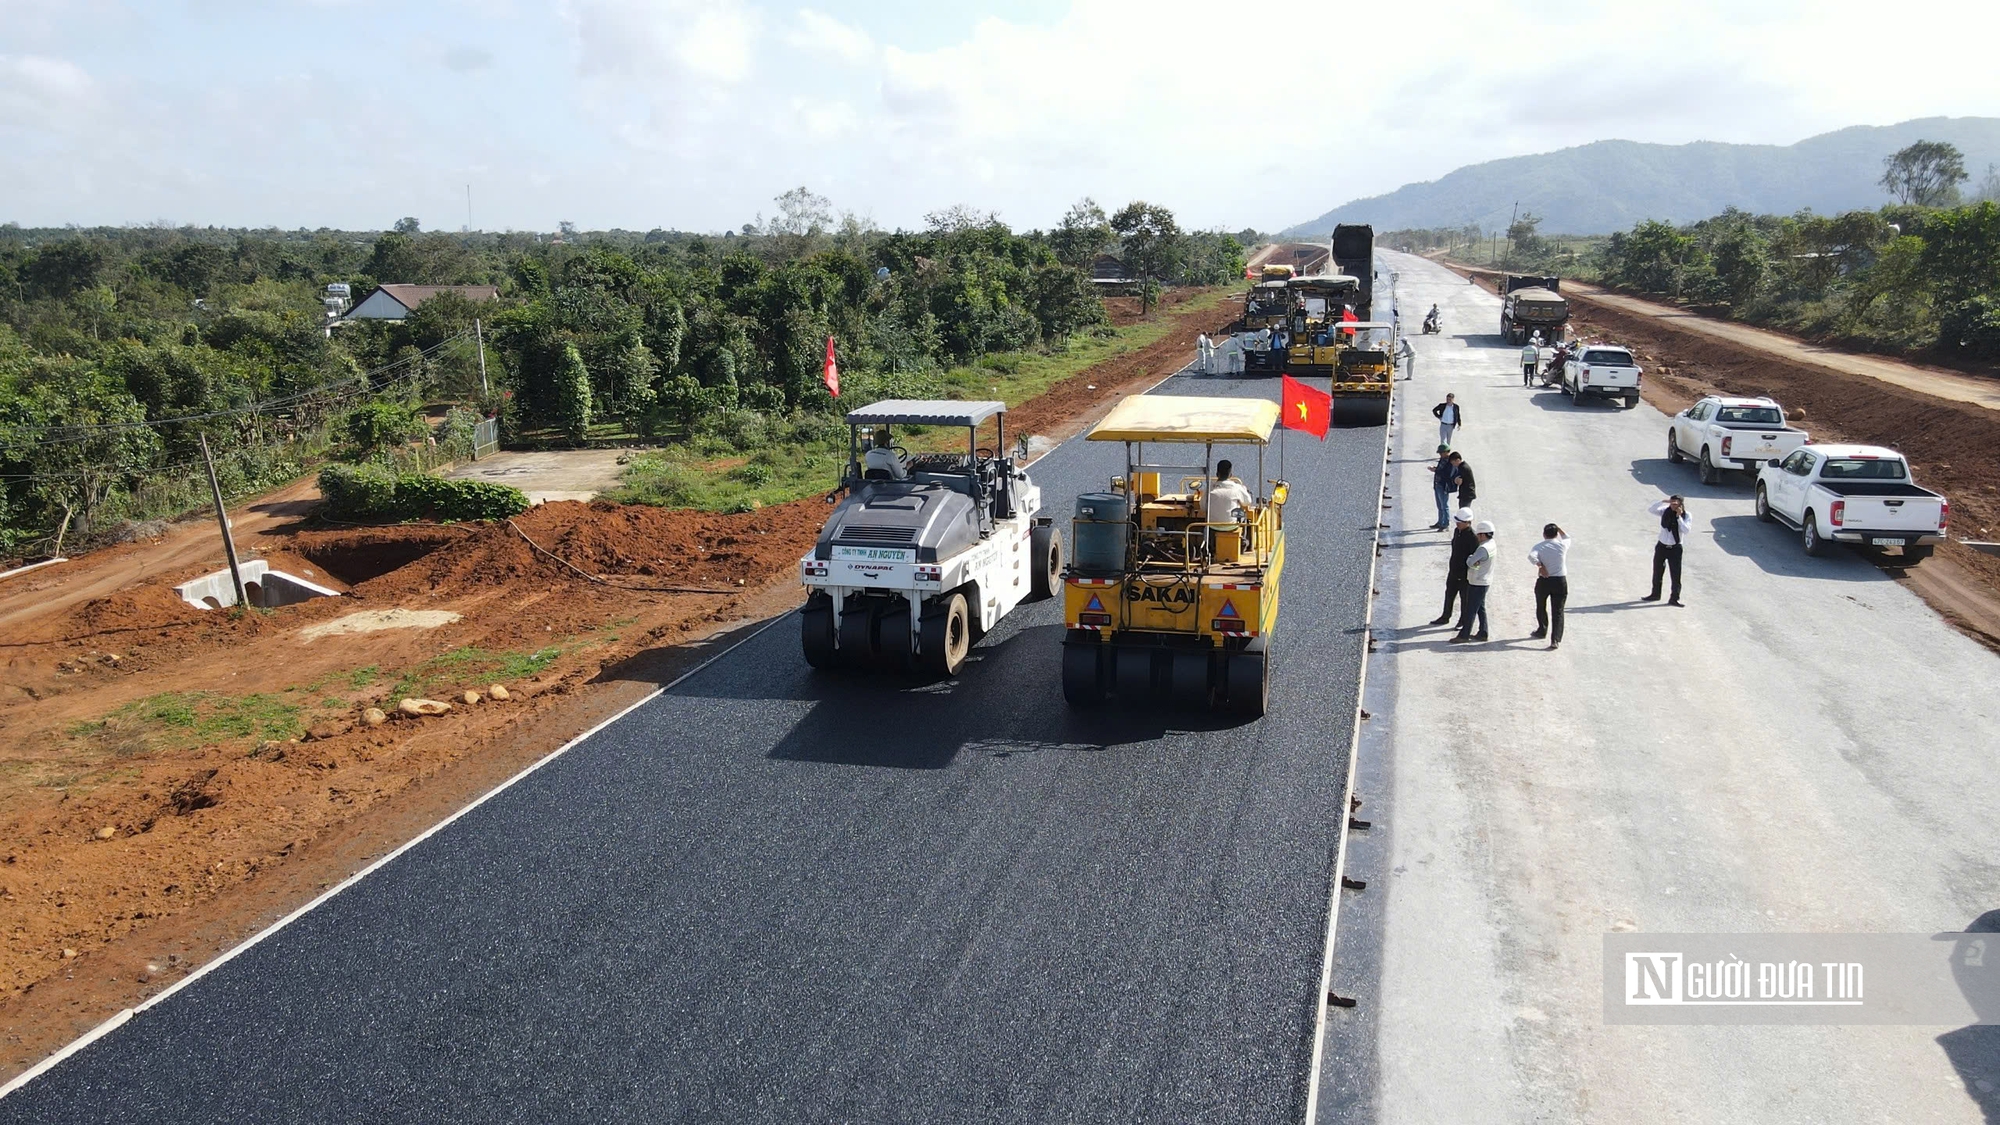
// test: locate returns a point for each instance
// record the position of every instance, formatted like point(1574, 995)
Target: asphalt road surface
point(1806, 747)
point(769, 895)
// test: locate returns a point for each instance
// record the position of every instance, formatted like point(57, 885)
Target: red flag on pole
point(1306, 409)
point(1347, 314)
point(832, 375)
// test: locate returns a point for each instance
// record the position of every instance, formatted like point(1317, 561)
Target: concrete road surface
point(1805, 747)
point(769, 895)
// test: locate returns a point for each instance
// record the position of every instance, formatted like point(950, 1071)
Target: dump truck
point(1531, 303)
point(1364, 373)
point(1161, 603)
point(1354, 255)
point(925, 551)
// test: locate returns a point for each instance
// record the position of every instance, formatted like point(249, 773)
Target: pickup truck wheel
point(1764, 506)
point(1815, 545)
point(947, 635)
point(1576, 395)
point(1045, 556)
point(1632, 404)
point(1911, 556)
point(1707, 471)
point(1673, 449)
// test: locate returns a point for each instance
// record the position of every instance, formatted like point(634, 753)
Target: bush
point(379, 425)
point(739, 429)
point(360, 491)
point(372, 492)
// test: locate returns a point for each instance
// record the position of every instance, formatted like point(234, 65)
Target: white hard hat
point(1483, 527)
point(1465, 515)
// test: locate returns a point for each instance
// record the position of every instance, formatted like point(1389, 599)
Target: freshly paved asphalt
point(775, 896)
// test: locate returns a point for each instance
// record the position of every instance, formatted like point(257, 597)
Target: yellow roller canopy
point(1187, 418)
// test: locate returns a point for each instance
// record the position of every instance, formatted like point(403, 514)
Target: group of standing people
point(1469, 572)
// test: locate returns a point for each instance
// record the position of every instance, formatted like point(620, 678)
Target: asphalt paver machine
point(925, 551)
point(1161, 603)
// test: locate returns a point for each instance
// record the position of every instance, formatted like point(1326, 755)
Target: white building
point(397, 302)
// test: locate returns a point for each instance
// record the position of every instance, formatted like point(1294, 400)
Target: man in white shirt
point(883, 458)
point(1551, 559)
point(1675, 527)
point(1228, 501)
point(1450, 416)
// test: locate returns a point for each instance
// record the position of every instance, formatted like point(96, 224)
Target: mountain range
point(1610, 185)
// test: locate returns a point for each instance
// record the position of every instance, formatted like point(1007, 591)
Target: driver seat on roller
point(882, 462)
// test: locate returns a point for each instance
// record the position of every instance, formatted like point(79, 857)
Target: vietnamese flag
point(1306, 409)
point(832, 373)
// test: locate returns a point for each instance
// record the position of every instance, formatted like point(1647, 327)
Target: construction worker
point(883, 459)
point(1408, 355)
point(1444, 482)
point(1531, 360)
point(1551, 559)
point(1478, 579)
point(1463, 543)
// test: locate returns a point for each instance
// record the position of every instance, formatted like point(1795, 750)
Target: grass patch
point(469, 662)
point(178, 719)
point(774, 461)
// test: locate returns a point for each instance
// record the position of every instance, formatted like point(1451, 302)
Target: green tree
point(1151, 244)
point(1083, 234)
point(1926, 173)
point(1741, 259)
point(572, 394)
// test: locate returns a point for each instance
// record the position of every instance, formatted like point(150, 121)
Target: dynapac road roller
point(926, 551)
point(1166, 599)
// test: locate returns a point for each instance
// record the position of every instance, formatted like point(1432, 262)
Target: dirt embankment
point(173, 779)
point(173, 775)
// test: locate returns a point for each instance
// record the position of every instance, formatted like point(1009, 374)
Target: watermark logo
point(1654, 977)
point(1932, 979)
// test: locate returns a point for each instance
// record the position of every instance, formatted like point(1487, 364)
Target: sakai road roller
point(926, 551)
point(1167, 598)
point(1364, 373)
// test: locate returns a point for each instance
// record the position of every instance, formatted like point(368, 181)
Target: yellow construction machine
point(1364, 372)
point(1167, 597)
point(1314, 348)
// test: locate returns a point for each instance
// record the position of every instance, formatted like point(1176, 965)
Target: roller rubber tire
point(816, 633)
point(947, 636)
point(1045, 556)
point(1083, 673)
point(857, 636)
point(1249, 684)
point(892, 639)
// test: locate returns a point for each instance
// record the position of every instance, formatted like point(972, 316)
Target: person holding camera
point(1551, 559)
point(1675, 527)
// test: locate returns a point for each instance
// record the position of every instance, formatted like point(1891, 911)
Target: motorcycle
point(1431, 326)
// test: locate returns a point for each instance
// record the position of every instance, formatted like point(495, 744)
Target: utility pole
point(222, 519)
point(468, 208)
point(485, 391)
point(1512, 219)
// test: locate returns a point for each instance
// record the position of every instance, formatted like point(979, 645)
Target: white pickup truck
point(1601, 371)
point(1855, 494)
point(1731, 433)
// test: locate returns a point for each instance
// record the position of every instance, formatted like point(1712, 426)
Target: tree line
point(120, 349)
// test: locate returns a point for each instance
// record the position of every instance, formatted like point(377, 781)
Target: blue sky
point(695, 113)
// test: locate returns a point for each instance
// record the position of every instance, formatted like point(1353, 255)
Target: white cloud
point(816, 31)
point(712, 40)
point(37, 83)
